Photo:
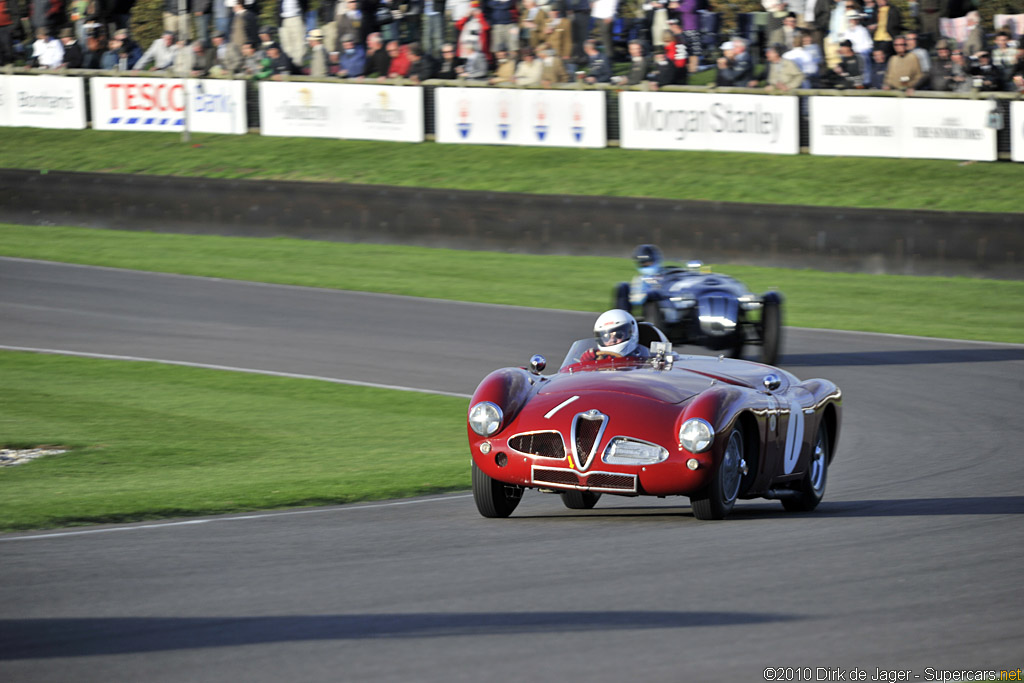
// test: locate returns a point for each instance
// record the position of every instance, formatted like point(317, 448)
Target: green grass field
point(153, 441)
point(962, 308)
point(715, 176)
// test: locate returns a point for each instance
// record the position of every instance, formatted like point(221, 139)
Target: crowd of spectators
point(803, 43)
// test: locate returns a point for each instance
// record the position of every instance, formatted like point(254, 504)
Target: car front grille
point(586, 433)
point(610, 482)
point(544, 444)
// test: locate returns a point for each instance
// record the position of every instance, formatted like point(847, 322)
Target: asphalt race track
point(912, 562)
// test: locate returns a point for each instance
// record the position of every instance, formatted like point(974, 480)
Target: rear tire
point(579, 500)
point(494, 498)
point(771, 332)
point(717, 501)
point(652, 314)
point(812, 488)
point(622, 297)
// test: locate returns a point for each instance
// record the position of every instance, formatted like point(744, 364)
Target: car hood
point(667, 386)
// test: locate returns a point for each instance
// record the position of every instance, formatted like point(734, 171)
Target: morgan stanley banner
point(709, 121)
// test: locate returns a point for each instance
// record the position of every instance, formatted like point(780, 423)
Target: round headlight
point(485, 418)
point(696, 435)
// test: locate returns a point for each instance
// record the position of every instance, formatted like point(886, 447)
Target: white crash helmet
point(616, 332)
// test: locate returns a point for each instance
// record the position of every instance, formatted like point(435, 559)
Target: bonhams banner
point(709, 121)
point(158, 104)
point(341, 110)
point(902, 127)
point(42, 101)
point(503, 116)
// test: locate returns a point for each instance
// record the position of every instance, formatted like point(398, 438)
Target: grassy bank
point(961, 308)
point(154, 441)
point(716, 176)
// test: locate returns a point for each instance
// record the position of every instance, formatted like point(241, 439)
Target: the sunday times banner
point(709, 121)
point(503, 116)
point(902, 127)
point(1016, 124)
point(341, 110)
point(42, 101)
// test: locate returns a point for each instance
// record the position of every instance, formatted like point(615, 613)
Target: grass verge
point(715, 176)
point(960, 308)
point(152, 441)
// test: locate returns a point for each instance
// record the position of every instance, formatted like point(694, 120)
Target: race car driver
point(617, 336)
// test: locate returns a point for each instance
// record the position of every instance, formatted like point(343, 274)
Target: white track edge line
point(252, 371)
point(231, 518)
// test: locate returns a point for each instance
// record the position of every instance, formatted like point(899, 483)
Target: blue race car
point(692, 305)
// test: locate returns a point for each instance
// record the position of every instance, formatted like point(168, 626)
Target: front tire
point(812, 487)
point(494, 498)
point(579, 500)
point(717, 501)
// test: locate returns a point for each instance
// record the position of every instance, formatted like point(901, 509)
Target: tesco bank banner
point(158, 104)
point(709, 121)
point(1016, 124)
point(42, 101)
point(902, 127)
point(336, 110)
point(500, 116)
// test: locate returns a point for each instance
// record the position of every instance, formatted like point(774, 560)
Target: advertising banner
point(216, 106)
point(155, 104)
point(1016, 124)
point(42, 101)
point(854, 126)
point(902, 127)
point(337, 110)
point(709, 121)
point(502, 116)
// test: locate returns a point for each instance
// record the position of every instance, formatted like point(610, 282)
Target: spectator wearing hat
point(352, 58)
point(985, 76)
point(47, 51)
point(73, 55)
point(734, 66)
point(291, 22)
point(243, 26)
point(318, 60)
point(277, 65)
point(858, 35)
point(948, 74)
point(849, 72)
point(160, 54)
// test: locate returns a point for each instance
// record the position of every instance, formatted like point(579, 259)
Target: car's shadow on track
point(900, 507)
point(874, 358)
point(96, 636)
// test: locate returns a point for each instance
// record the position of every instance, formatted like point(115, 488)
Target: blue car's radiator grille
point(544, 444)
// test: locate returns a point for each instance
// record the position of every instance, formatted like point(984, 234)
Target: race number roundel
point(794, 436)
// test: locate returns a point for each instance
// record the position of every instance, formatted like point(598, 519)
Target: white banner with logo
point(709, 121)
point(1016, 124)
point(500, 116)
point(902, 127)
point(158, 104)
point(154, 104)
point(42, 101)
point(217, 106)
point(341, 110)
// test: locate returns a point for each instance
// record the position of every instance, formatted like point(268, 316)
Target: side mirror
point(537, 364)
point(772, 382)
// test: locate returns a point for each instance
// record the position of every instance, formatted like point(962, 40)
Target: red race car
point(655, 423)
